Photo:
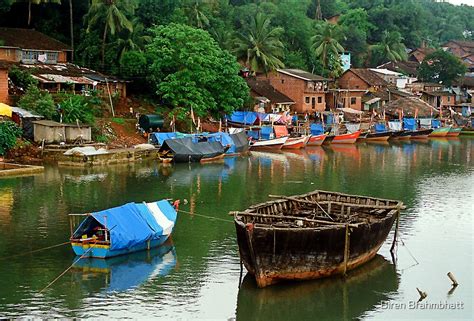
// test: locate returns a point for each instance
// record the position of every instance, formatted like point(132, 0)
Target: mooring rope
point(34, 251)
point(65, 271)
point(206, 216)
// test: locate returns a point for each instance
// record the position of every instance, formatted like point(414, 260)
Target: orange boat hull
point(317, 140)
point(294, 143)
point(346, 138)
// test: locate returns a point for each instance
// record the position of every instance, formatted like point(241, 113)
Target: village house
point(407, 68)
point(439, 99)
point(418, 54)
point(306, 90)
point(267, 98)
point(46, 59)
point(354, 84)
point(464, 50)
point(418, 87)
point(464, 89)
point(394, 78)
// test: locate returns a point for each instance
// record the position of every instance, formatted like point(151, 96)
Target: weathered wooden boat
point(380, 136)
point(420, 133)
point(313, 235)
point(439, 132)
point(454, 132)
point(124, 229)
point(268, 144)
point(350, 138)
point(295, 143)
point(316, 140)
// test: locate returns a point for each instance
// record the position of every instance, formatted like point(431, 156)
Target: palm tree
point(259, 46)
point(133, 40)
point(30, 2)
point(114, 14)
point(326, 43)
point(197, 11)
point(391, 48)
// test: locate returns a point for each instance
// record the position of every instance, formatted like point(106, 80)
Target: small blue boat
point(125, 229)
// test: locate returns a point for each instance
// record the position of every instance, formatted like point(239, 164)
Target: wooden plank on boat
point(295, 218)
point(302, 201)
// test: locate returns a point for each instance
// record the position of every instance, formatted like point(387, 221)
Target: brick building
point(439, 98)
point(46, 59)
point(308, 91)
point(267, 97)
point(464, 50)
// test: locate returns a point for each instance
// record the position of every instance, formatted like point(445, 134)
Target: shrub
point(76, 107)
point(38, 101)
point(21, 78)
point(9, 132)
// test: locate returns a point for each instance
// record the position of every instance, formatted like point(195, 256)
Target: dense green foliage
point(21, 78)
point(111, 36)
point(9, 132)
point(38, 101)
point(441, 67)
point(189, 70)
point(76, 108)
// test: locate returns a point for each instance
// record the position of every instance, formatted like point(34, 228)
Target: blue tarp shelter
point(380, 128)
point(130, 224)
point(435, 123)
point(266, 132)
point(159, 138)
point(243, 117)
point(317, 129)
point(409, 123)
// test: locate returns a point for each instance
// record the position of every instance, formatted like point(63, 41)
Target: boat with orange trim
point(349, 138)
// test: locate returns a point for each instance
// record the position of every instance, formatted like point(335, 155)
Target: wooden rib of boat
point(316, 140)
point(439, 132)
point(269, 144)
point(379, 137)
point(313, 235)
point(420, 133)
point(346, 138)
point(454, 132)
point(294, 143)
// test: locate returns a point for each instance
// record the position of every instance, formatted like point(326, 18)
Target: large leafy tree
point(259, 46)
point(356, 26)
point(189, 70)
point(391, 48)
point(326, 45)
point(112, 15)
point(441, 66)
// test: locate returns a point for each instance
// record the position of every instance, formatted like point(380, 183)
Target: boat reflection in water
point(122, 273)
point(326, 299)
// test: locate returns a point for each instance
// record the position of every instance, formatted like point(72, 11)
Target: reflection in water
point(326, 299)
point(433, 179)
point(125, 272)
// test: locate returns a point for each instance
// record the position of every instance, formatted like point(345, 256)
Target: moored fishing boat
point(268, 144)
point(313, 235)
point(401, 135)
point(124, 229)
point(420, 133)
point(439, 132)
point(316, 140)
point(454, 132)
point(383, 136)
point(295, 143)
point(350, 138)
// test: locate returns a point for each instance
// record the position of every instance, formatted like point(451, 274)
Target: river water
point(197, 275)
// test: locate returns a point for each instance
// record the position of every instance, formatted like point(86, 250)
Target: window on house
point(306, 100)
point(313, 103)
point(449, 99)
point(353, 100)
point(320, 100)
point(283, 81)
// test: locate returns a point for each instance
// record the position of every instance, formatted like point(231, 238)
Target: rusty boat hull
point(272, 252)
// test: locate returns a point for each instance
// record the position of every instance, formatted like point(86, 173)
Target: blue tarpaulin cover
point(435, 123)
point(254, 134)
point(317, 129)
point(159, 138)
point(266, 132)
point(243, 117)
point(224, 139)
point(380, 128)
point(409, 123)
point(132, 224)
